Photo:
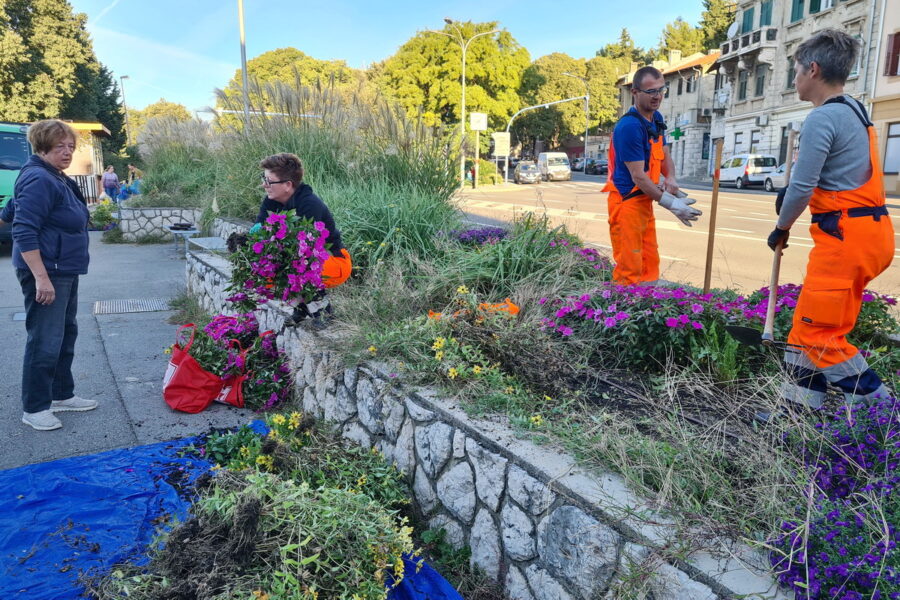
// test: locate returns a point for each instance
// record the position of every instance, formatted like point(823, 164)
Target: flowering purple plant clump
point(849, 549)
point(282, 261)
point(271, 382)
point(479, 236)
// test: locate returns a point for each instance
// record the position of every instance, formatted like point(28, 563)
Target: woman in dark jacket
point(50, 252)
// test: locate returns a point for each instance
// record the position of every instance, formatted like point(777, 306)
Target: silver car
point(527, 172)
point(775, 180)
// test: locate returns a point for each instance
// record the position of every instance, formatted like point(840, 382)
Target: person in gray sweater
point(838, 176)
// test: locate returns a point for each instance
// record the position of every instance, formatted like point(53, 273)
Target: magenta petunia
point(671, 322)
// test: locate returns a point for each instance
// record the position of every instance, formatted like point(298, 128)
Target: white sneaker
point(42, 421)
point(73, 404)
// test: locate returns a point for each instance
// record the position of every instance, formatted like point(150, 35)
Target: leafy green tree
point(544, 81)
point(424, 75)
point(680, 35)
point(714, 21)
point(45, 55)
point(138, 119)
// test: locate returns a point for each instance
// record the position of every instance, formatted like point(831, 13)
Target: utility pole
point(587, 114)
point(244, 78)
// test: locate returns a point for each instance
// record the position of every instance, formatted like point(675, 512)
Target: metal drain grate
point(115, 307)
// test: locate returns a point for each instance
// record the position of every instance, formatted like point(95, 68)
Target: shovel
point(752, 337)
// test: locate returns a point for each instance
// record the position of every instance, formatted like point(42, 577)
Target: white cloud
point(105, 10)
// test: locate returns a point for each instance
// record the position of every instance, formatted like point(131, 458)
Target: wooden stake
point(711, 240)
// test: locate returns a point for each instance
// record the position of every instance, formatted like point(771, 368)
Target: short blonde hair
point(44, 135)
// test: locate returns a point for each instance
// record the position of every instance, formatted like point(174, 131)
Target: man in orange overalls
point(638, 155)
point(838, 175)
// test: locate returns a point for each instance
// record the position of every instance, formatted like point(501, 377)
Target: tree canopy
point(424, 74)
point(137, 119)
point(680, 35)
point(717, 16)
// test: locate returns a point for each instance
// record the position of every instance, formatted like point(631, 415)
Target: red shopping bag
point(233, 387)
point(187, 386)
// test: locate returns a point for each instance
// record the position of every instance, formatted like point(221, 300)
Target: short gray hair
point(834, 51)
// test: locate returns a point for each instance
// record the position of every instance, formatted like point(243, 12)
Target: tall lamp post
point(587, 114)
point(244, 77)
point(460, 39)
point(124, 106)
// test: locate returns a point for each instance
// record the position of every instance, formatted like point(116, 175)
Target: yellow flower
point(369, 243)
point(462, 290)
point(279, 420)
point(452, 373)
point(363, 480)
point(273, 433)
point(548, 398)
point(537, 420)
point(245, 452)
point(439, 355)
point(438, 343)
point(382, 245)
point(477, 369)
point(509, 389)
point(373, 350)
point(168, 351)
point(295, 420)
point(265, 461)
point(260, 595)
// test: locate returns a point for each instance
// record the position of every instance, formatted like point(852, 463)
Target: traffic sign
point(477, 121)
point(501, 143)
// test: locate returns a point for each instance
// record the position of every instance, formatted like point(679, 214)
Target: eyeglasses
point(69, 147)
point(267, 183)
point(655, 92)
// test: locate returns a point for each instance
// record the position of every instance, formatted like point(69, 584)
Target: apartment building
point(687, 108)
point(755, 104)
point(886, 96)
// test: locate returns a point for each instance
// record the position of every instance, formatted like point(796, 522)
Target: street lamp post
point(124, 106)
point(244, 78)
point(460, 39)
point(587, 114)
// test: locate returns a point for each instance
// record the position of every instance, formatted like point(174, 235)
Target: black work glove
point(778, 235)
point(779, 200)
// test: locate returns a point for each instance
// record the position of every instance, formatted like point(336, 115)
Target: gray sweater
point(834, 155)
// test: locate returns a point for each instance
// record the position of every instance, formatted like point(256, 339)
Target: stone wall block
point(453, 532)
point(350, 377)
point(490, 469)
point(310, 406)
point(424, 492)
point(392, 415)
point(355, 432)
point(459, 444)
point(485, 545)
point(404, 451)
point(418, 413)
point(369, 405)
point(456, 489)
point(517, 532)
point(433, 446)
point(544, 586)
point(341, 406)
point(531, 494)
point(309, 369)
point(578, 549)
point(669, 583)
point(516, 585)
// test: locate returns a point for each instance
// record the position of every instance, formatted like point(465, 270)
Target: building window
point(680, 84)
point(765, 13)
point(855, 70)
point(743, 77)
point(755, 139)
point(738, 142)
point(791, 73)
point(717, 82)
point(691, 84)
point(892, 60)
point(747, 25)
point(892, 150)
point(815, 6)
point(796, 10)
point(760, 87)
point(705, 146)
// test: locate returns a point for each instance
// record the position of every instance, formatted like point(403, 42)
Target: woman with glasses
point(282, 180)
point(638, 157)
point(838, 175)
point(50, 252)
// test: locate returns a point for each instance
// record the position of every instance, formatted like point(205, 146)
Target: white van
point(747, 169)
point(554, 166)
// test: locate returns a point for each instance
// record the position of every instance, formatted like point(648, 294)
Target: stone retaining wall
point(138, 223)
point(534, 521)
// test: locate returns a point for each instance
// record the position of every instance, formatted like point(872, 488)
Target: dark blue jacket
point(51, 216)
point(307, 206)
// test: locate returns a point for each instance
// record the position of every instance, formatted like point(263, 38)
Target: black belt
point(633, 194)
point(829, 221)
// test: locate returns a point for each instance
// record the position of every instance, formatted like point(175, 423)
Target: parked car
point(597, 166)
point(14, 152)
point(578, 164)
point(554, 166)
point(775, 180)
point(747, 169)
point(527, 172)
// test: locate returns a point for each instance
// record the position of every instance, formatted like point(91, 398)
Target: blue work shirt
point(630, 143)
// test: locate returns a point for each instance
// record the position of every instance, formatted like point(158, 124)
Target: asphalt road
point(741, 258)
point(119, 360)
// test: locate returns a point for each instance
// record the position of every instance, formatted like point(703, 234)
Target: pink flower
point(696, 325)
point(696, 308)
point(566, 331)
point(671, 322)
point(543, 301)
point(610, 322)
point(258, 247)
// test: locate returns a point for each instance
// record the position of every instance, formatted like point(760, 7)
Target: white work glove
point(680, 206)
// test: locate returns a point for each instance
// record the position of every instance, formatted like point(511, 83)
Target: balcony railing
point(764, 36)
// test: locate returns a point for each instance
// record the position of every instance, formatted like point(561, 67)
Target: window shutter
point(892, 60)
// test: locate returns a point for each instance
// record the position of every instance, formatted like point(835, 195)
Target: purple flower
point(258, 247)
point(671, 322)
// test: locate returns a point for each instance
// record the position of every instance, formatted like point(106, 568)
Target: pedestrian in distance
point(111, 182)
point(638, 158)
point(282, 179)
point(838, 175)
point(50, 252)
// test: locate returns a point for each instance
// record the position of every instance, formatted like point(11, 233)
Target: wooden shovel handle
point(768, 335)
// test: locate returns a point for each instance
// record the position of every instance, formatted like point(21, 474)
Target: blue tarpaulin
point(87, 513)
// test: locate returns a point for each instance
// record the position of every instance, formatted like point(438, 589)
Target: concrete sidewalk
point(119, 360)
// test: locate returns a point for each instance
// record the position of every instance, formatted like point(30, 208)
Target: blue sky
point(182, 50)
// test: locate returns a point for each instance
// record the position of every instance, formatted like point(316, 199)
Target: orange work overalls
point(632, 227)
point(854, 242)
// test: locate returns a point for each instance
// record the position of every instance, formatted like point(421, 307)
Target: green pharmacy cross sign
point(677, 133)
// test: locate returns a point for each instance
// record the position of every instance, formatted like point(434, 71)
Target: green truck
point(14, 151)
